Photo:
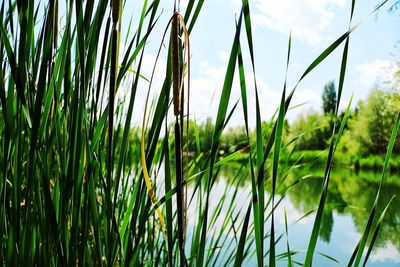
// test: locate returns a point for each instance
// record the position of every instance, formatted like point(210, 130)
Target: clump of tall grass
point(71, 192)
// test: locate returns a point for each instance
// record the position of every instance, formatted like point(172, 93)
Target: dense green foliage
point(313, 131)
point(366, 132)
point(371, 123)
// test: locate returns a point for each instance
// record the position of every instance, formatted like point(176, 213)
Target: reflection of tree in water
point(326, 226)
point(346, 188)
point(235, 172)
point(306, 195)
point(349, 193)
point(361, 193)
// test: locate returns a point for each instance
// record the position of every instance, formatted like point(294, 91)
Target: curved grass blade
point(321, 205)
point(220, 121)
point(362, 243)
point(277, 149)
point(376, 232)
point(289, 253)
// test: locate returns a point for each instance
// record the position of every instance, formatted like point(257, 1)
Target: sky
point(314, 25)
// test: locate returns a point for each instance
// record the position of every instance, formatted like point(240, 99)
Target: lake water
point(350, 198)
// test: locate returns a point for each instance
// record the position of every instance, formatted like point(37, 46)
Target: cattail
point(113, 84)
point(175, 66)
point(115, 10)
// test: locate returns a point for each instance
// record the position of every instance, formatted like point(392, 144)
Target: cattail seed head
point(115, 10)
point(175, 66)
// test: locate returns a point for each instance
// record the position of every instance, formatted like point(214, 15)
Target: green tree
point(372, 124)
point(329, 98)
point(311, 130)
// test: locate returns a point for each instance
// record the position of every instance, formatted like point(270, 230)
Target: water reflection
point(353, 194)
point(350, 198)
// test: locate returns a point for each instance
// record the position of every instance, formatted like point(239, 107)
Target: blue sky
point(315, 24)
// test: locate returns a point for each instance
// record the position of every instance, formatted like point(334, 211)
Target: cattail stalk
point(176, 86)
point(115, 8)
point(175, 66)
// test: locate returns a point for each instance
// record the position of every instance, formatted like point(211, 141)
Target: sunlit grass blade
point(242, 239)
point(289, 253)
point(220, 121)
point(376, 231)
point(363, 241)
point(321, 205)
point(317, 222)
point(277, 149)
point(257, 187)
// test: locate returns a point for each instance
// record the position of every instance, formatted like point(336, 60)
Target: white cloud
point(304, 100)
point(206, 88)
point(206, 92)
point(223, 56)
point(124, 90)
point(370, 73)
point(387, 253)
point(184, 4)
point(307, 96)
point(306, 19)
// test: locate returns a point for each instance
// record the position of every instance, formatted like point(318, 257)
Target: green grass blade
point(277, 149)
point(321, 205)
point(367, 229)
point(376, 232)
point(220, 121)
point(289, 253)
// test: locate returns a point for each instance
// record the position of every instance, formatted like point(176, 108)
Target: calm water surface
point(350, 198)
